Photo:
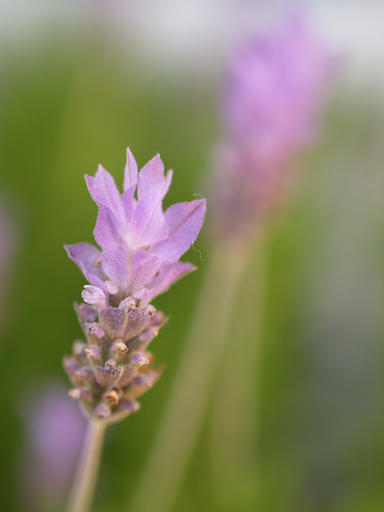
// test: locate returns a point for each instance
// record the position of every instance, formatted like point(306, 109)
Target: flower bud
point(126, 375)
point(78, 350)
point(93, 353)
point(144, 381)
point(103, 377)
point(75, 393)
point(139, 359)
point(94, 295)
point(130, 405)
point(103, 410)
point(86, 314)
point(85, 374)
point(120, 346)
point(113, 396)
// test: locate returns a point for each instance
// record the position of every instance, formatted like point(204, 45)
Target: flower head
point(140, 244)
point(275, 87)
point(140, 248)
point(273, 94)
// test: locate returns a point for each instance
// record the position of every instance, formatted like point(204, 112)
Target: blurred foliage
point(75, 102)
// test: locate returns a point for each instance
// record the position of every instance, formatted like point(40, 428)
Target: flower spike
point(140, 248)
point(275, 89)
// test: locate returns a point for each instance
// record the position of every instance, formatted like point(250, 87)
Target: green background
point(72, 102)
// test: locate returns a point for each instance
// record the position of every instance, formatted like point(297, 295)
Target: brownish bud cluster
point(113, 368)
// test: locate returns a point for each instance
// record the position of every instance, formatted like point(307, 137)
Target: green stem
point(83, 488)
point(235, 405)
point(177, 433)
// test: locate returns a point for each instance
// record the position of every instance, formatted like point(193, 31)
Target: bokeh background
point(82, 80)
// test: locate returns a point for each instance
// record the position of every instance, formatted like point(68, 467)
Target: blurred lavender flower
point(274, 91)
point(140, 249)
point(55, 430)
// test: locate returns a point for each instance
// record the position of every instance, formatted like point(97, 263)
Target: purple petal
point(104, 192)
point(151, 176)
point(167, 183)
point(168, 275)
point(130, 171)
point(114, 261)
point(106, 232)
point(87, 257)
point(184, 221)
point(111, 288)
point(148, 224)
point(129, 271)
point(129, 202)
point(143, 268)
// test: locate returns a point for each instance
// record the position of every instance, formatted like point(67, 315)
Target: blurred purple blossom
point(141, 245)
point(55, 429)
point(273, 95)
point(275, 88)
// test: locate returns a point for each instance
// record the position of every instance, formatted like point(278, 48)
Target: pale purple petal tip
point(166, 277)
point(130, 171)
point(105, 192)
point(87, 257)
point(89, 181)
point(184, 221)
point(151, 176)
point(148, 224)
point(106, 230)
point(167, 183)
point(129, 202)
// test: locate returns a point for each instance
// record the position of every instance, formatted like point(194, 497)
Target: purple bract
point(140, 244)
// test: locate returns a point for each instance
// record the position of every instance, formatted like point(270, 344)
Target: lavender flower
point(55, 430)
point(274, 91)
point(140, 248)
